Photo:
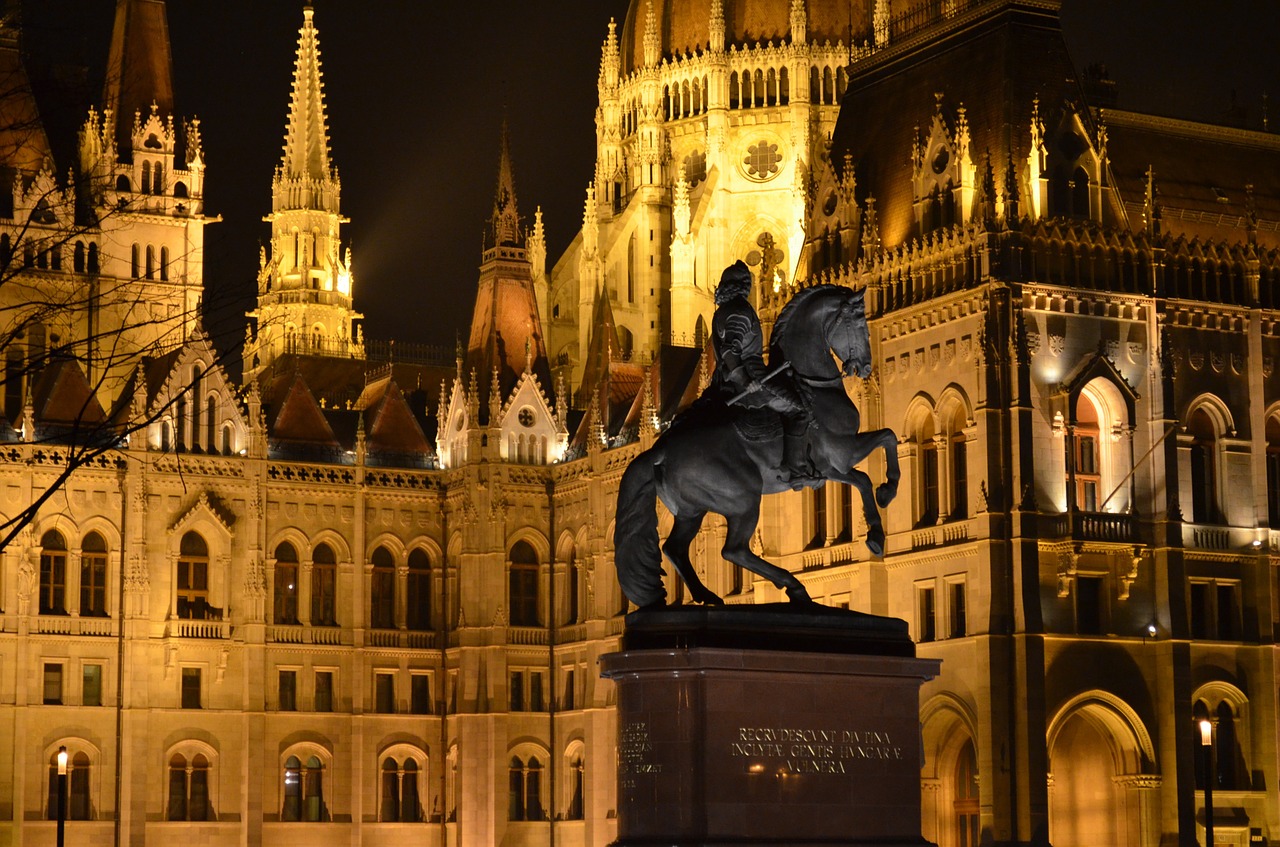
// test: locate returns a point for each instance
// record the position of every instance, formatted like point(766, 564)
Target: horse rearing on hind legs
point(717, 458)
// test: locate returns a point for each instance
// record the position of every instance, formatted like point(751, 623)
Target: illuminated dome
point(686, 24)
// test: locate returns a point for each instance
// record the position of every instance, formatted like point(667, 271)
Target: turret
point(305, 301)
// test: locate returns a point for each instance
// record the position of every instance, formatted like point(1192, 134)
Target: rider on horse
point(739, 345)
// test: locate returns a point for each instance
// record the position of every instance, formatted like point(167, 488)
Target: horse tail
point(635, 533)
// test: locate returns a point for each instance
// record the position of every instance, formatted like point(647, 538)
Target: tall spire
point(139, 66)
point(306, 138)
point(504, 229)
point(652, 39)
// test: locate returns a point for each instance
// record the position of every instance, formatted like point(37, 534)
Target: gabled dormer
point(192, 403)
point(942, 172)
point(454, 420)
point(831, 232)
point(532, 431)
point(1071, 182)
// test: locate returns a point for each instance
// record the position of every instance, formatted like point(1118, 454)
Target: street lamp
point(1206, 741)
point(62, 794)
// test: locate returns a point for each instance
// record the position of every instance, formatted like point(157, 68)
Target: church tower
point(305, 282)
point(500, 406)
point(711, 116)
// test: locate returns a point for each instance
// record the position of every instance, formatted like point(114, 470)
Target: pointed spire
point(1151, 204)
point(495, 399)
point(538, 246)
point(880, 23)
point(609, 59)
point(139, 66)
point(652, 38)
point(306, 138)
point(799, 22)
point(716, 38)
point(680, 210)
point(505, 222)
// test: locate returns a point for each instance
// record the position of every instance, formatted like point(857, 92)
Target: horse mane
point(780, 326)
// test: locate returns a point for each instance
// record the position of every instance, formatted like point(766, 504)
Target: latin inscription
point(634, 749)
point(821, 751)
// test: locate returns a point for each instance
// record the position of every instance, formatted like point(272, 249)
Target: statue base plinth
point(807, 732)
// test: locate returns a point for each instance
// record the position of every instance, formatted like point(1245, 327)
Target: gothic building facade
point(343, 601)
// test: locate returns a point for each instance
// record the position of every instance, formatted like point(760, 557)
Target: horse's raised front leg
point(862, 482)
point(676, 549)
point(737, 549)
point(888, 440)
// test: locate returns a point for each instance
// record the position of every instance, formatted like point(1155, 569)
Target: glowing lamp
point(62, 761)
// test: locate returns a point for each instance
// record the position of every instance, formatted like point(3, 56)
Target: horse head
point(849, 336)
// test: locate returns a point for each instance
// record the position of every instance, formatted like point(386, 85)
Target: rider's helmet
point(734, 282)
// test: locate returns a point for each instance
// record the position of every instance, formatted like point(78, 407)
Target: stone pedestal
point(765, 725)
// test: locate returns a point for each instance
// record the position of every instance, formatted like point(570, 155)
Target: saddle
point(758, 425)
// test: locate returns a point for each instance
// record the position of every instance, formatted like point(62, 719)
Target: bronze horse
point(703, 463)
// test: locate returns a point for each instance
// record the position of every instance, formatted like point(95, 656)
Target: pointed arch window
point(382, 591)
point(151, 262)
point(193, 580)
point(525, 790)
point(304, 790)
point(419, 591)
point(1273, 471)
point(93, 576)
point(286, 584)
point(146, 177)
point(1087, 456)
point(164, 263)
point(523, 580)
point(1204, 468)
point(324, 586)
point(399, 790)
point(53, 574)
point(575, 810)
point(136, 262)
point(188, 788)
point(79, 806)
point(965, 788)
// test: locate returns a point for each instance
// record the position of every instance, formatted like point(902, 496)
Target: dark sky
point(416, 93)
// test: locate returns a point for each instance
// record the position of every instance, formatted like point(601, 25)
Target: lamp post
point(62, 794)
point(1206, 741)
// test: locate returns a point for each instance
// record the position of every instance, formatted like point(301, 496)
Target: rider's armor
point(739, 345)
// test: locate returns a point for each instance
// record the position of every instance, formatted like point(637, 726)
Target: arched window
point(151, 262)
point(77, 258)
point(136, 262)
point(188, 788)
point(1204, 485)
point(79, 807)
point(193, 580)
point(157, 179)
point(53, 574)
point(818, 518)
point(965, 792)
point(523, 585)
point(93, 576)
point(399, 791)
point(419, 591)
point(146, 177)
point(164, 263)
point(573, 586)
point(303, 790)
point(93, 258)
point(382, 593)
point(211, 424)
point(226, 440)
point(1226, 749)
point(1086, 456)
point(525, 790)
point(1273, 472)
point(959, 465)
point(324, 586)
point(574, 812)
point(122, 185)
point(927, 487)
point(286, 584)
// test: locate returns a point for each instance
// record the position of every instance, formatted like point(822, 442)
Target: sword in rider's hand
point(785, 366)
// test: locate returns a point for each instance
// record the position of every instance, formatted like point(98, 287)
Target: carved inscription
point(634, 748)
point(796, 751)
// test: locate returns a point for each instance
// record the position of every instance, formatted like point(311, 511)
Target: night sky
point(416, 93)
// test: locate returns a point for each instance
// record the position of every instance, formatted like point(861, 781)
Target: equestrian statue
point(757, 429)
